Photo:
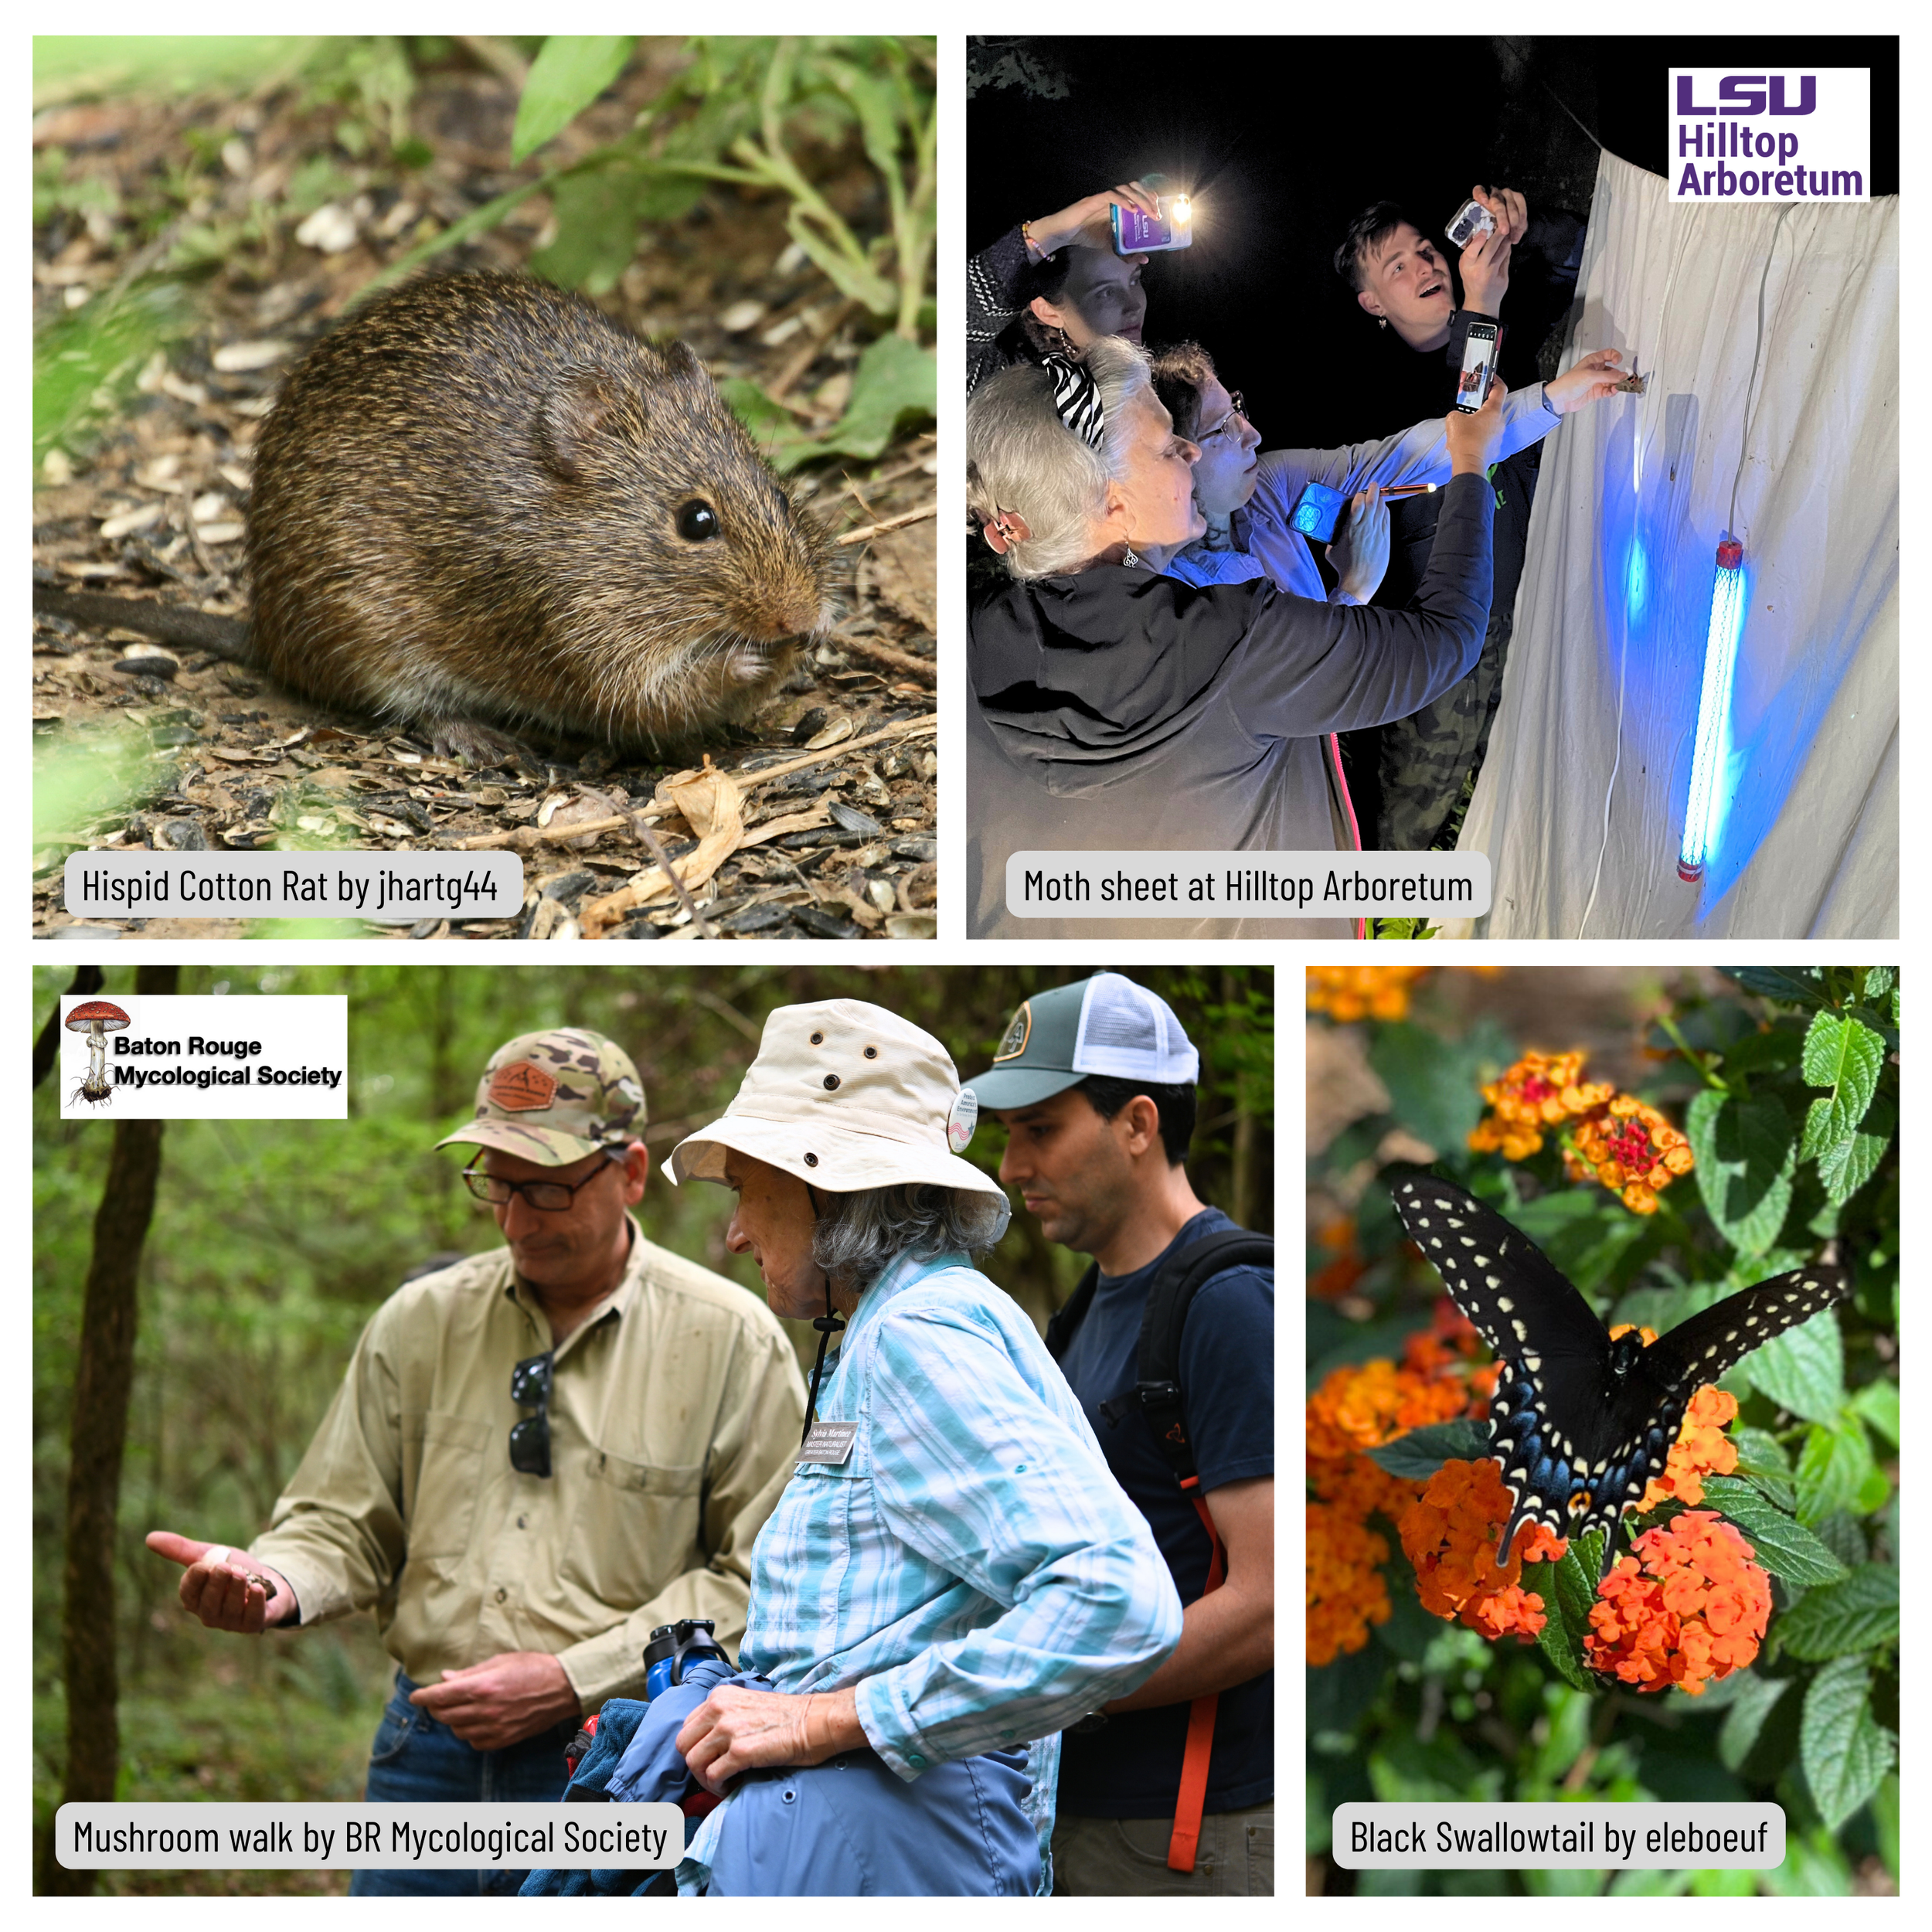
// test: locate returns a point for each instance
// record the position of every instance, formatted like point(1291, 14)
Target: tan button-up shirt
point(675, 1416)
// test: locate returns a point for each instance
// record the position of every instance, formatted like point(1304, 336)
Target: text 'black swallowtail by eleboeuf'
point(1581, 1423)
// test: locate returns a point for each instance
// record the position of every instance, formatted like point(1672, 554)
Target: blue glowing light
point(1636, 580)
point(1709, 797)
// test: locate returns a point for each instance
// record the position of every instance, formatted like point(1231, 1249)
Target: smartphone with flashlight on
point(1135, 234)
point(1478, 366)
point(1470, 220)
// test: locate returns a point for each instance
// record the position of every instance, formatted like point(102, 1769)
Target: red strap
point(1191, 1797)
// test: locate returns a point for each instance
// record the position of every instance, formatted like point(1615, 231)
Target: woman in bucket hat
point(951, 1577)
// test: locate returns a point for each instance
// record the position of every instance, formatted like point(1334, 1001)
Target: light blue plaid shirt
point(972, 1565)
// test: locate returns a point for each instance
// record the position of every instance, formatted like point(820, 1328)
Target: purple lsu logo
point(1745, 94)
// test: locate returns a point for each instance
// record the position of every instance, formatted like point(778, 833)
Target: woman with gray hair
point(952, 1576)
point(1117, 708)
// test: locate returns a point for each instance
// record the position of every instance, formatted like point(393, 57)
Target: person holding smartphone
point(1056, 283)
point(1410, 776)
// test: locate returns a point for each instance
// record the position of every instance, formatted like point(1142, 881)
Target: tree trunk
point(99, 1434)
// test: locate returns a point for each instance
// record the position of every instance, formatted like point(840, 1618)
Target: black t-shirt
point(1131, 1767)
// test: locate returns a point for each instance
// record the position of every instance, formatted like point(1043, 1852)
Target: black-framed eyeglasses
point(547, 1197)
point(530, 1438)
point(1240, 409)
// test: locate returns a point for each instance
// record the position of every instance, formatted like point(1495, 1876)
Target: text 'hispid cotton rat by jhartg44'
point(479, 500)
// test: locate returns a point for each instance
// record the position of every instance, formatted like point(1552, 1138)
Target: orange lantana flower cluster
point(1450, 1533)
point(1632, 1149)
point(1542, 1089)
point(1359, 1408)
point(1347, 993)
point(1689, 1607)
point(1613, 1137)
point(1701, 1449)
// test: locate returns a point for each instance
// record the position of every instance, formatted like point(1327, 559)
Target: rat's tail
point(171, 623)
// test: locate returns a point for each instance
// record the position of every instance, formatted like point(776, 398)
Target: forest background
point(273, 1242)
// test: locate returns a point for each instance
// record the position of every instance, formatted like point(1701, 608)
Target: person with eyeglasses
point(537, 1457)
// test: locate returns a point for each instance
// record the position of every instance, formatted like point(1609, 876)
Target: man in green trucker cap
point(536, 1456)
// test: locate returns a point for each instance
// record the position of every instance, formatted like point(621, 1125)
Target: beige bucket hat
point(845, 1096)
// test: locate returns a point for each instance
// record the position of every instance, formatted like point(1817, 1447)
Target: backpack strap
point(1158, 1395)
point(1072, 1312)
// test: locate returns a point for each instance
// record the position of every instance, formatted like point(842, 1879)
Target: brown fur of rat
point(466, 503)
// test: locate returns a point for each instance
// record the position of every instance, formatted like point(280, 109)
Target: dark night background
point(1284, 139)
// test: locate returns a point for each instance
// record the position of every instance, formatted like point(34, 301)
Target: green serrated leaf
point(1568, 1589)
point(1847, 1057)
point(1416, 1456)
point(1803, 1369)
point(1783, 1545)
point(1832, 1468)
point(1877, 1402)
point(1856, 1615)
point(1879, 981)
point(1795, 987)
point(1764, 1053)
point(1752, 1704)
point(1845, 1753)
point(1432, 1082)
point(1846, 1166)
point(569, 72)
point(1745, 1161)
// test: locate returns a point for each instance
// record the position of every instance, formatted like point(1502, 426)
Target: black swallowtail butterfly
point(1580, 1423)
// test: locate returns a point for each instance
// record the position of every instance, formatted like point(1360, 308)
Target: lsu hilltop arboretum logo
point(1770, 137)
point(522, 1087)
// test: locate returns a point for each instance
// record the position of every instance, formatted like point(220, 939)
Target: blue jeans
point(416, 1760)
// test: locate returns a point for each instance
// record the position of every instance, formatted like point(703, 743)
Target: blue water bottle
point(674, 1646)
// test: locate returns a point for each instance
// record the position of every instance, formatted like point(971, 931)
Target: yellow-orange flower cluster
point(1689, 1607)
point(1356, 1408)
point(1335, 1278)
point(1450, 1535)
point(1348, 993)
point(1540, 1091)
point(1632, 1149)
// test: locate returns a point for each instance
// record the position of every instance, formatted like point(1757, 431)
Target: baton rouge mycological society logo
point(522, 1087)
point(95, 1019)
point(1770, 137)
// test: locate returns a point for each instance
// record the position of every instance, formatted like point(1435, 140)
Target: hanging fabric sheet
point(1789, 440)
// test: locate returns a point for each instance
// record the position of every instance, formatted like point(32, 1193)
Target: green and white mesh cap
point(1106, 1025)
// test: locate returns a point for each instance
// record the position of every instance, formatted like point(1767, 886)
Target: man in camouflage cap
point(537, 1457)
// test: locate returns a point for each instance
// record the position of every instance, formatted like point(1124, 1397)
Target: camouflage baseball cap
point(555, 1097)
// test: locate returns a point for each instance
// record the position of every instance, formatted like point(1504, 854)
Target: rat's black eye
point(696, 521)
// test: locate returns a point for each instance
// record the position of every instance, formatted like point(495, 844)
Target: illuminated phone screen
point(1478, 365)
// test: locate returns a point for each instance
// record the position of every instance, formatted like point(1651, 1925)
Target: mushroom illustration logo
point(97, 1019)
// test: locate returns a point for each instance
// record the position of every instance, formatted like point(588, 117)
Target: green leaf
point(1783, 1545)
point(1416, 1456)
point(894, 380)
point(1756, 1698)
point(1847, 1057)
point(1432, 1082)
point(859, 279)
point(1764, 1053)
point(1855, 1615)
point(1845, 1753)
point(1832, 1468)
point(1879, 981)
point(1568, 1591)
point(1885, 1817)
point(1846, 1166)
point(1878, 1403)
point(1803, 1369)
point(569, 72)
point(1745, 1161)
point(596, 230)
point(1793, 989)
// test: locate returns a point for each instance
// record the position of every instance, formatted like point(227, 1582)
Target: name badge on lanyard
point(829, 1442)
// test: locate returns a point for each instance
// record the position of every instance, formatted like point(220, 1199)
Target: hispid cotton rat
point(478, 498)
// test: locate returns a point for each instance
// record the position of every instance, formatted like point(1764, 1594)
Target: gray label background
point(334, 1818)
point(347, 885)
point(1640, 1818)
point(1303, 875)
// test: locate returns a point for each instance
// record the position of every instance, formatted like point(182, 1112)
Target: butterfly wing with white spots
point(1580, 1423)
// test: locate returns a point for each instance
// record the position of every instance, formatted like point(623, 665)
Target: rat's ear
point(572, 419)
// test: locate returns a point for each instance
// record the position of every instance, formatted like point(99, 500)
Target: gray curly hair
point(1021, 458)
point(858, 1235)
